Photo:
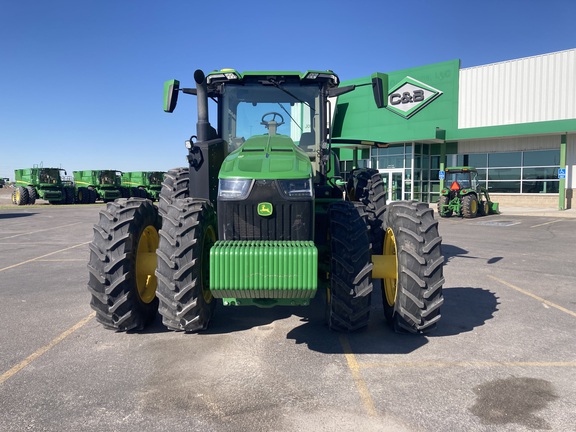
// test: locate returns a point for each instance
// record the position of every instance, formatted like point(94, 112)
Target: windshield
point(297, 110)
point(49, 176)
point(108, 177)
point(155, 178)
point(463, 179)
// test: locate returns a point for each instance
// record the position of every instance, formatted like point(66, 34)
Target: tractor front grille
point(290, 219)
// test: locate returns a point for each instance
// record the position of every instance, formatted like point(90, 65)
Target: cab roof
point(308, 77)
point(460, 169)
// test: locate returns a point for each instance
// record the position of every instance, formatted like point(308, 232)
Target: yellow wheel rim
point(474, 206)
point(209, 240)
point(146, 282)
point(390, 283)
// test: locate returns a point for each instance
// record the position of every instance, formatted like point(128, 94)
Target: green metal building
point(515, 121)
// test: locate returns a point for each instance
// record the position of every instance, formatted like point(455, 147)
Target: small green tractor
point(143, 184)
point(93, 185)
point(261, 217)
point(41, 183)
point(463, 195)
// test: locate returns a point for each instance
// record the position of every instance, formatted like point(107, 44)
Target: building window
point(542, 158)
point(515, 172)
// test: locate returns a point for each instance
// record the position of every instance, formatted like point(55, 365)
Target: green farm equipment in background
point(143, 184)
point(261, 217)
point(93, 185)
point(41, 183)
point(463, 195)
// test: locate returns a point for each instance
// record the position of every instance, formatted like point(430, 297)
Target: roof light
point(222, 75)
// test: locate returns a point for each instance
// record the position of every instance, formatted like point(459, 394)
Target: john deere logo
point(265, 209)
point(410, 96)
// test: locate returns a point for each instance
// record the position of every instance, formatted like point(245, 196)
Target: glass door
point(393, 184)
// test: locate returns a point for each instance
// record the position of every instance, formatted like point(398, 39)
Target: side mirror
point(337, 91)
point(380, 89)
point(171, 88)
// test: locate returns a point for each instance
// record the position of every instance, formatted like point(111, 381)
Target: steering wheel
point(274, 115)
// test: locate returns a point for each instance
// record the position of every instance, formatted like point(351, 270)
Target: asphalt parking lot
point(503, 357)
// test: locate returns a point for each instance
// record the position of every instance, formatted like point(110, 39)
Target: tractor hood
point(267, 157)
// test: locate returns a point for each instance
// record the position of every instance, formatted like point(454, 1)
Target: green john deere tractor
point(93, 185)
point(260, 216)
point(463, 195)
point(41, 183)
point(143, 184)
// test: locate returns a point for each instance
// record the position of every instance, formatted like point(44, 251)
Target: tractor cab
point(458, 179)
point(49, 176)
point(273, 125)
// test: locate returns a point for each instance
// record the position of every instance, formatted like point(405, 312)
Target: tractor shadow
point(451, 251)
point(12, 215)
point(464, 309)
point(229, 319)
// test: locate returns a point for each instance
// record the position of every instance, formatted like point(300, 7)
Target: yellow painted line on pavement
point(38, 353)
point(469, 364)
point(43, 256)
point(529, 294)
point(42, 230)
point(546, 223)
point(361, 385)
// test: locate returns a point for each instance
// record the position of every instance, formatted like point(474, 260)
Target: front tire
point(188, 232)
point(412, 298)
point(484, 208)
point(122, 265)
point(20, 196)
point(349, 295)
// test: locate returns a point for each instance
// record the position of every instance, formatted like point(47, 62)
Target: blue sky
point(81, 80)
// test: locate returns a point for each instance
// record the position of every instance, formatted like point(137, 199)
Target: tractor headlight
point(234, 189)
point(297, 188)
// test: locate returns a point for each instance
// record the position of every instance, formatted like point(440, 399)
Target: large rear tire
point(122, 265)
point(32, 194)
point(188, 232)
point(412, 298)
point(470, 206)
point(349, 294)
point(69, 193)
point(82, 196)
